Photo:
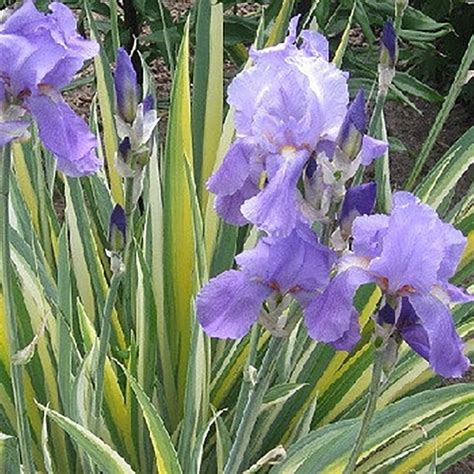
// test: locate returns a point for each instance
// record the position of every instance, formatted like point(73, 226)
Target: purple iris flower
point(40, 54)
point(284, 105)
point(297, 265)
point(410, 255)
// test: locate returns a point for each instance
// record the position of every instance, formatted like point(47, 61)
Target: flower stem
point(103, 345)
point(12, 326)
point(246, 382)
point(252, 408)
point(374, 391)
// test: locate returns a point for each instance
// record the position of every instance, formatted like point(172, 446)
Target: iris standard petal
point(329, 84)
point(409, 258)
point(368, 233)
point(329, 317)
point(446, 355)
point(229, 304)
point(314, 44)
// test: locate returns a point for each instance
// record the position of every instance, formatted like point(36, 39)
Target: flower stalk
point(369, 412)
point(105, 331)
point(12, 325)
point(252, 408)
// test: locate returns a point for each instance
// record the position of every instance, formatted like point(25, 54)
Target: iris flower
point(287, 105)
point(40, 54)
point(410, 255)
point(297, 265)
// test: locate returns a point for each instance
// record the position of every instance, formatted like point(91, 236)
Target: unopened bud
point(117, 229)
point(353, 128)
point(389, 49)
point(126, 86)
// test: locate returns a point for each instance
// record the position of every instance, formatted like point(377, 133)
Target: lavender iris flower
point(284, 105)
point(290, 106)
point(39, 54)
point(412, 270)
point(296, 265)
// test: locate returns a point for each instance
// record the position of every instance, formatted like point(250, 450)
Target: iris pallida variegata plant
point(39, 54)
point(298, 144)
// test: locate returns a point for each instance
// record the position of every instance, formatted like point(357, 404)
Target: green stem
point(369, 410)
point(246, 382)
point(129, 208)
point(12, 325)
point(252, 408)
point(103, 345)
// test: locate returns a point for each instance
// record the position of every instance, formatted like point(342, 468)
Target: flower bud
point(117, 229)
point(353, 128)
point(358, 201)
point(148, 104)
point(389, 50)
point(126, 86)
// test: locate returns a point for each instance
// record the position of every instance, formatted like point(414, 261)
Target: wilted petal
point(275, 208)
point(234, 170)
point(229, 304)
point(446, 355)
point(371, 150)
point(66, 135)
point(11, 130)
point(329, 317)
point(358, 201)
